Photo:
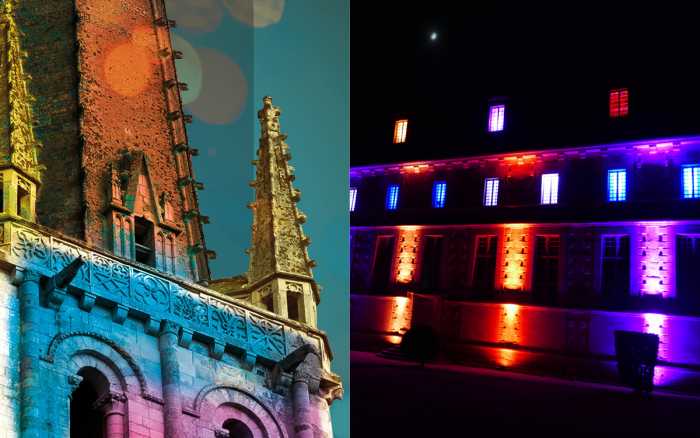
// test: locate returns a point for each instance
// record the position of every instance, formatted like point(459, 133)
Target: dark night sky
point(555, 66)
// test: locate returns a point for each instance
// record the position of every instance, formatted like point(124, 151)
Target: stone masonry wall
point(49, 40)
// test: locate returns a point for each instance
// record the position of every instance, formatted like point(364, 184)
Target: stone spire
point(280, 269)
point(20, 172)
point(17, 141)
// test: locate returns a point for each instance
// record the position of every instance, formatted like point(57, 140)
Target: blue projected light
point(617, 185)
point(691, 181)
point(439, 192)
point(392, 197)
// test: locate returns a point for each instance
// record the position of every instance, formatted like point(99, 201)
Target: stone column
point(32, 392)
point(306, 380)
point(170, 371)
point(114, 408)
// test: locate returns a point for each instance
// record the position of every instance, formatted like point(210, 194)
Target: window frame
point(439, 196)
point(353, 198)
point(617, 194)
point(400, 131)
point(497, 117)
point(392, 197)
point(491, 201)
point(694, 192)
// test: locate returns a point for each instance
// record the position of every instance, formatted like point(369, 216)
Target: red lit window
point(619, 102)
point(400, 128)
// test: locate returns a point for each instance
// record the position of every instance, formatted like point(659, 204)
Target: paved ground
point(399, 399)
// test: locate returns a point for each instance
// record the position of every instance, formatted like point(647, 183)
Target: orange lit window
point(400, 131)
point(619, 102)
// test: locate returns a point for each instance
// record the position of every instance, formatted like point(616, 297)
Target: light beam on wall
point(409, 238)
point(515, 256)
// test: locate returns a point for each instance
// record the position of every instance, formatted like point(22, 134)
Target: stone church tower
point(112, 325)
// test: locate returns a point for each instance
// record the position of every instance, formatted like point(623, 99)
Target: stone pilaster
point(170, 371)
point(306, 380)
point(32, 394)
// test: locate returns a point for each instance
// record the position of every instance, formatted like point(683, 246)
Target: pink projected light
point(497, 116)
point(656, 242)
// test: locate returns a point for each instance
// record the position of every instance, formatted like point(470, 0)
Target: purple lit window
point(353, 198)
point(497, 116)
point(491, 192)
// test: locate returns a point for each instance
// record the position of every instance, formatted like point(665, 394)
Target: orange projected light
point(128, 68)
point(408, 252)
point(399, 319)
point(515, 256)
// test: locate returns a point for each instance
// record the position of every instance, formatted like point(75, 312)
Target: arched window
point(87, 419)
point(95, 411)
point(237, 429)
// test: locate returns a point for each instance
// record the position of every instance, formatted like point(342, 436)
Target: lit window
point(691, 181)
point(392, 197)
point(400, 129)
point(617, 185)
point(353, 198)
point(497, 115)
point(491, 192)
point(619, 102)
point(439, 192)
point(550, 188)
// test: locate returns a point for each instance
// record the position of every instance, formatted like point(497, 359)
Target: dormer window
point(619, 103)
point(144, 241)
point(400, 129)
point(497, 117)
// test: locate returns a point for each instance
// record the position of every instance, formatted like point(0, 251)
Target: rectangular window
point(400, 128)
point(497, 116)
point(485, 263)
point(615, 276)
point(691, 181)
point(144, 241)
point(353, 198)
point(491, 192)
point(550, 188)
point(619, 102)
point(381, 268)
point(431, 264)
point(392, 197)
point(439, 192)
point(617, 185)
point(546, 278)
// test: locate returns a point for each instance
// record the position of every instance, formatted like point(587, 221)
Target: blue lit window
point(617, 185)
point(392, 197)
point(491, 192)
point(439, 192)
point(691, 181)
point(353, 198)
point(550, 188)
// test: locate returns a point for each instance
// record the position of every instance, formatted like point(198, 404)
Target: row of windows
point(549, 189)
point(618, 105)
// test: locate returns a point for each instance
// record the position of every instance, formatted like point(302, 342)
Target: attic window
point(144, 241)
point(619, 102)
point(400, 128)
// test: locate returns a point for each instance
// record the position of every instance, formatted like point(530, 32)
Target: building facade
point(544, 252)
point(113, 326)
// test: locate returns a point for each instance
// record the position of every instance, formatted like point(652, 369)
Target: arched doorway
point(237, 429)
point(86, 417)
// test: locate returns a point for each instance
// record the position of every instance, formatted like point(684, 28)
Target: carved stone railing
point(136, 291)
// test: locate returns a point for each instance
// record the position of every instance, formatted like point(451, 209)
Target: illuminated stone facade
point(109, 317)
point(535, 270)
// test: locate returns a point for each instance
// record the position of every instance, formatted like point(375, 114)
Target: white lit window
point(691, 181)
point(400, 128)
point(497, 116)
point(550, 188)
point(353, 198)
point(617, 185)
point(491, 192)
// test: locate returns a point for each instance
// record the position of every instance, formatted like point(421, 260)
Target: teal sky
point(298, 53)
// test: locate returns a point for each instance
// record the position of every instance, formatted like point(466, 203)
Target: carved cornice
point(152, 296)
